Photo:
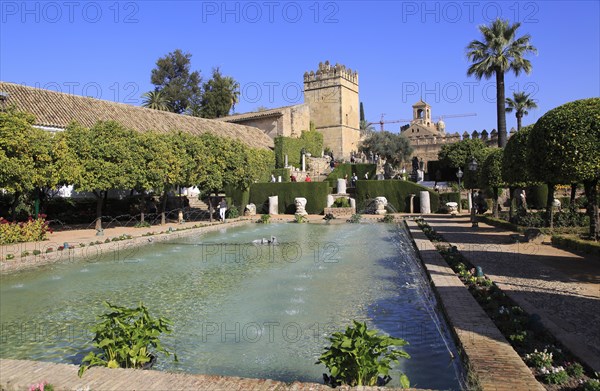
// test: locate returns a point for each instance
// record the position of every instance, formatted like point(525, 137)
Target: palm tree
point(156, 100)
point(499, 52)
point(366, 129)
point(520, 103)
point(234, 90)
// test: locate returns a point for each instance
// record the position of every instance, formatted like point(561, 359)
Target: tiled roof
point(56, 110)
point(277, 112)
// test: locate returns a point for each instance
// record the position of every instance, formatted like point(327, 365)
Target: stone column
point(341, 186)
point(303, 162)
point(273, 205)
point(425, 205)
point(300, 206)
point(329, 200)
point(412, 203)
point(285, 160)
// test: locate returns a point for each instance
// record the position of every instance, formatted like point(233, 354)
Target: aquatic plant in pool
point(241, 309)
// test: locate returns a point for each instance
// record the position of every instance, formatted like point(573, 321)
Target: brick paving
point(561, 287)
point(491, 358)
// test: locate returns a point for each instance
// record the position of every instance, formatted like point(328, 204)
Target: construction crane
point(382, 122)
point(439, 117)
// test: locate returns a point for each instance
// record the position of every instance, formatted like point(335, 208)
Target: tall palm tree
point(520, 103)
point(234, 90)
point(156, 100)
point(499, 52)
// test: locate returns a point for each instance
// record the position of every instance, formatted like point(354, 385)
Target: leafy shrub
point(24, 254)
point(358, 356)
point(36, 252)
point(329, 216)
point(264, 219)
point(124, 337)
point(28, 231)
point(355, 219)
point(554, 375)
point(10, 256)
point(142, 224)
point(591, 385)
point(300, 219)
point(341, 203)
point(575, 369)
point(388, 218)
point(314, 192)
point(233, 212)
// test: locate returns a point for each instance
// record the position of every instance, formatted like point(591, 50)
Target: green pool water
point(241, 309)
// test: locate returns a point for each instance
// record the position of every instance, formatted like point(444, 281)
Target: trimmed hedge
point(576, 244)
point(238, 197)
point(283, 172)
point(348, 169)
point(397, 193)
point(311, 141)
point(500, 223)
point(447, 174)
point(314, 192)
point(537, 196)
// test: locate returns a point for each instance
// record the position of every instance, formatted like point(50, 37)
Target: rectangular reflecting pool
point(241, 308)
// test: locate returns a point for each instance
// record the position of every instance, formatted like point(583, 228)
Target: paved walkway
point(18, 375)
point(559, 286)
point(491, 358)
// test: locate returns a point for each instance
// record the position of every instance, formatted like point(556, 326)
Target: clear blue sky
point(402, 50)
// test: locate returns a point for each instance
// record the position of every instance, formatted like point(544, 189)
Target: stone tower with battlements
point(332, 96)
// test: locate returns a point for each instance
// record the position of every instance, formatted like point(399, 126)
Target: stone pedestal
point(381, 203)
point(341, 186)
point(425, 205)
point(353, 204)
point(273, 205)
point(300, 206)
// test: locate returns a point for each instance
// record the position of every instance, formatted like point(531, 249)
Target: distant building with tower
point(330, 102)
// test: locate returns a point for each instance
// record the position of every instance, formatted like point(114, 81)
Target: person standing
point(353, 180)
point(222, 209)
point(307, 179)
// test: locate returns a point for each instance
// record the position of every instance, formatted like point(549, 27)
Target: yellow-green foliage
point(311, 141)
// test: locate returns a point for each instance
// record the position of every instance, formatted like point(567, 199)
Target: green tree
point(564, 147)
point(394, 148)
point(520, 103)
point(156, 100)
point(366, 129)
point(220, 94)
point(362, 112)
point(515, 163)
point(173, 78)
point(499, 52)
point(162, 163)
point(26, 161)
point(105, 158)
point(491, 174)
point(459, 155)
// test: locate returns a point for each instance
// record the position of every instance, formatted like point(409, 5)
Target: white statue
point(452, 207)
point(250, 210)
point(300, 206)
point(381, 203)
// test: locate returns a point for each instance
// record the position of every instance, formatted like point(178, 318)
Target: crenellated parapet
point(327, 71)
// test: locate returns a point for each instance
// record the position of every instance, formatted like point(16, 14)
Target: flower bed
point(28, 231)
point(552, 365)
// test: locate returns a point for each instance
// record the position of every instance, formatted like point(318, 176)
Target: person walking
point(222, 209)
